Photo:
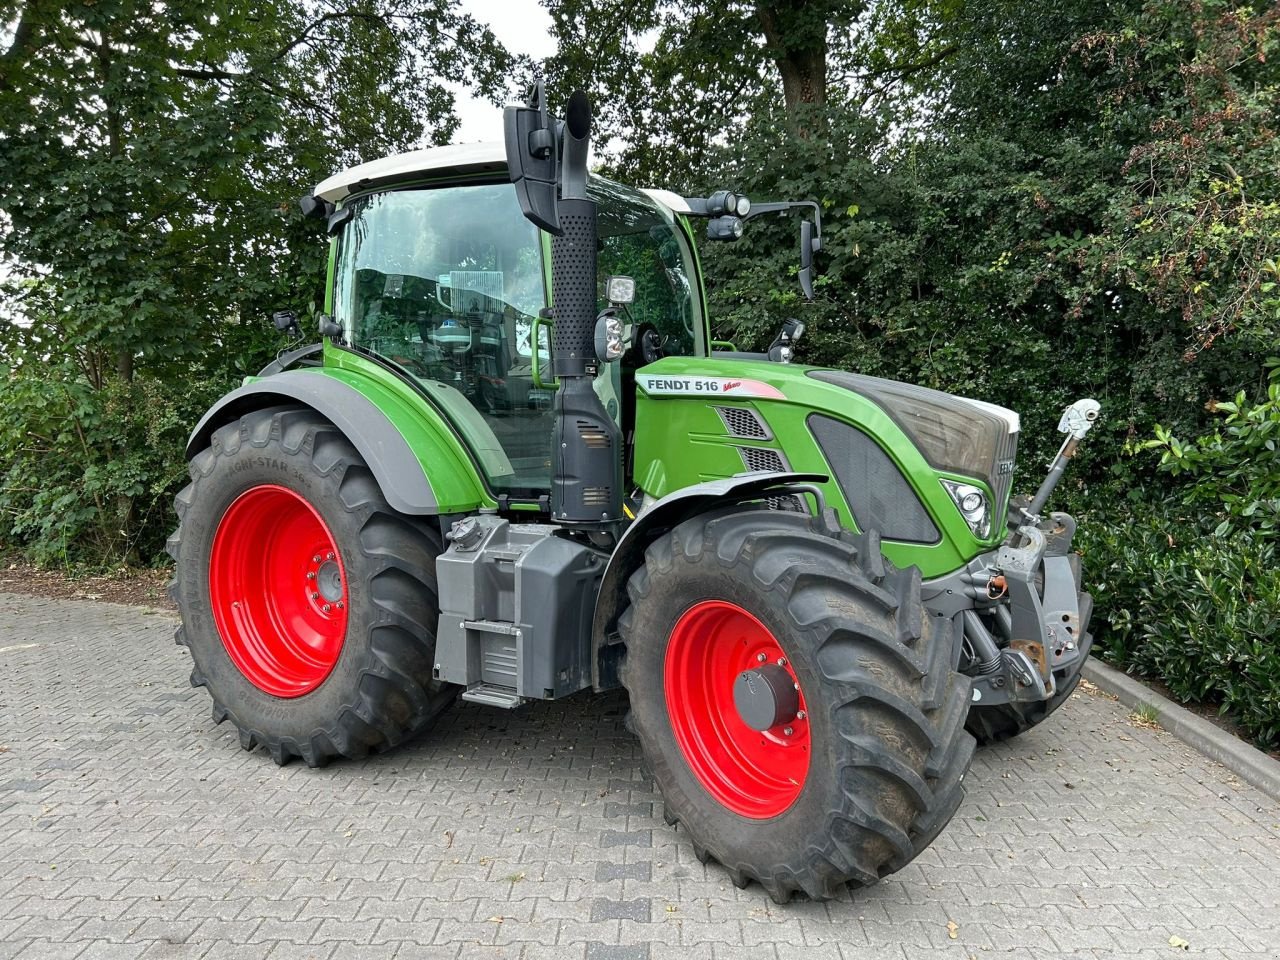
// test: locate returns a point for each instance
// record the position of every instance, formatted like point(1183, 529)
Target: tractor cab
point(436, 270)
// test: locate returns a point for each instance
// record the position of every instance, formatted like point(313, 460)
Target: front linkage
point(1019, 612)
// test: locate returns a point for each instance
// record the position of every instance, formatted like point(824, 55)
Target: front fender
point(648, 526)
point(419, 464)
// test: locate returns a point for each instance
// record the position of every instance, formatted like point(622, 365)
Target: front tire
point(308, 604)
point(858, 770)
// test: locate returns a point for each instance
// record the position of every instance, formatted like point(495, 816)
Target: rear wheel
point(308, 604)
point(799, 712)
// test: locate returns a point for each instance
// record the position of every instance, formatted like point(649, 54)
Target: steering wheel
point(412, 364)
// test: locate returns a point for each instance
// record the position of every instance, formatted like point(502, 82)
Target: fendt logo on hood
point(659, 386)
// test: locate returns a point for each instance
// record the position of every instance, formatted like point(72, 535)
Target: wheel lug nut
point(326, 608)
point(787, 731)
point(315, 595)
point(328, 556)
point(341, 605)
point(782, 661)
point(761, 658)
point(800, 715)
point(311, 574)
point(316, 558)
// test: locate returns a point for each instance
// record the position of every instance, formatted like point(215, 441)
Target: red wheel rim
point(756, 774)
point(278, 591)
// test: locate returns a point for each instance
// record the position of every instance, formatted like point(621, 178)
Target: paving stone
point(132, 827)
point(624, 871)
point(605, 951)
point(638, 910)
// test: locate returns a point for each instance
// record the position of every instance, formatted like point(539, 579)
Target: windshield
point(446, 282)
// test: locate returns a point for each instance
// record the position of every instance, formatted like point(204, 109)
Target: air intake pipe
point(586, 487)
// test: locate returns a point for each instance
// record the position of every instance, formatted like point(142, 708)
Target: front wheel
point(308, 604)
point(798, 709)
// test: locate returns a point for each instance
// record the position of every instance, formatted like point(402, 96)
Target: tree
point(150, 160)
point(676, 77)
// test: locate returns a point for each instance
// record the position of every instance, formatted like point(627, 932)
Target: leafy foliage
point(1235, 470)
point(1198, 611)
point(149, 159)
point(92, 472)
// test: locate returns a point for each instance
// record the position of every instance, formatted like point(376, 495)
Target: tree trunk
point(115, 148)
point(795, 34)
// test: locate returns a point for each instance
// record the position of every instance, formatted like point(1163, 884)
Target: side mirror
point(531, 140)
point(809, 244)
point(286, 321)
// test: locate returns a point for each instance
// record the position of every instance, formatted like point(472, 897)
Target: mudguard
point(396, 466)
point(651, 523)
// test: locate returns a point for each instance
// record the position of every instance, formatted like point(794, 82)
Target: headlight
point(724, 228)
point(973, 506)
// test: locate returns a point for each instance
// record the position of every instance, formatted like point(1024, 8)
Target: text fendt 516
point(517, 466)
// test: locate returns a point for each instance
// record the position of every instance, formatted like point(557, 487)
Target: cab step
point(493, 695)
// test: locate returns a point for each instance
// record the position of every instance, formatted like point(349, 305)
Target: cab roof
point(463, 158)
point(455, 160)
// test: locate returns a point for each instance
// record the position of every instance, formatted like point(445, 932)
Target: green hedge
point(89, 475)
point(1199, 612)
point(1187, 586)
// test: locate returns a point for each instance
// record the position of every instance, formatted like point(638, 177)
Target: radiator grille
point(745, 423)
point(1006, 457)
point(762, 458)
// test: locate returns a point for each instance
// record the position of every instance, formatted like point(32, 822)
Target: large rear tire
point(309, 605)
point(850, 776)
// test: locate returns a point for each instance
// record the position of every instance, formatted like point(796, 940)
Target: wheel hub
point(329, 581)
point(766, 697)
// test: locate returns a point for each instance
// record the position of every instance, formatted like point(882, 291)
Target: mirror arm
point(759, 209)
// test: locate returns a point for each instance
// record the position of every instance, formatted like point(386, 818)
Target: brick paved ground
point(130, 826)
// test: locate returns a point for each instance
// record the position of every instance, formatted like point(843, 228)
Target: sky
point(522, 26)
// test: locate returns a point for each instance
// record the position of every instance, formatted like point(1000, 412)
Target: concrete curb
point(1215, 743)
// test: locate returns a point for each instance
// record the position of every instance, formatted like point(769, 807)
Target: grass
point(1145, 715)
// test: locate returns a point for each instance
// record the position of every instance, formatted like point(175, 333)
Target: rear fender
point(417, 460)
point(606, 651)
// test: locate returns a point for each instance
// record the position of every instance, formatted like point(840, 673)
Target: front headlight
point(972, 503)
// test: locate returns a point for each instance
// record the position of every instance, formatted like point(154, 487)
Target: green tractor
point(517, 466)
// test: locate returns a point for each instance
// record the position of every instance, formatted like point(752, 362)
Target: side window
point(446, 282)
point(639, 241)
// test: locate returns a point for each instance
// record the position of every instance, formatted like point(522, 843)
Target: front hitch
point(1042, 613)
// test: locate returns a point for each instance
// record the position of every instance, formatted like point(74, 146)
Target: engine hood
point(956, 435)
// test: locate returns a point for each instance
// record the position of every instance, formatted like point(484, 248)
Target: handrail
point(534, 343)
